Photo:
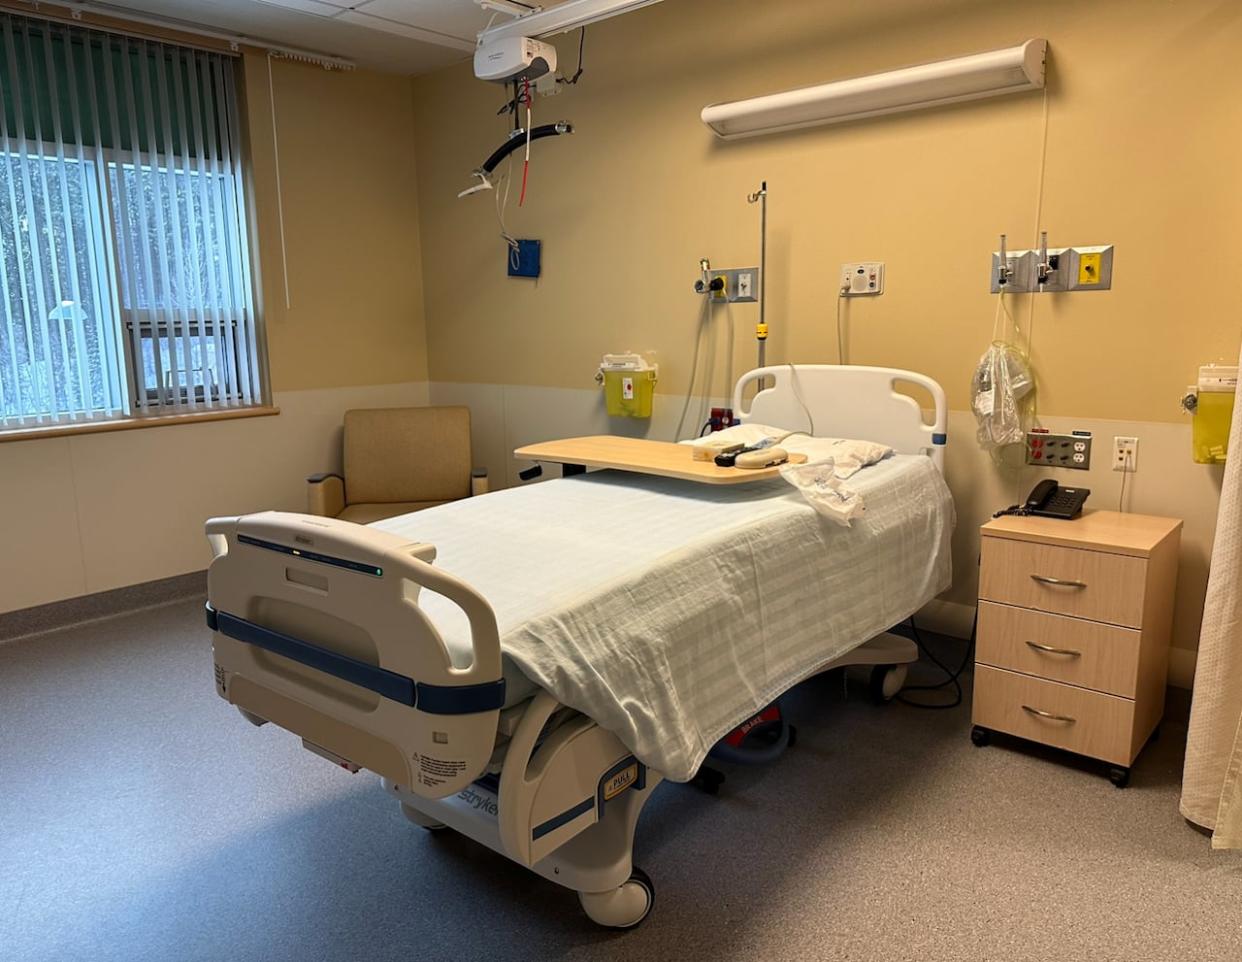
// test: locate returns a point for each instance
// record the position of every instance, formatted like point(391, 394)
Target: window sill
point(132, 423)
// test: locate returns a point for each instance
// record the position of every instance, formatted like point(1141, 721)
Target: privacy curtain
point(1212, 780)
point(125, 282)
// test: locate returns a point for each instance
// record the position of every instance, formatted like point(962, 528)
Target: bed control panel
point(1071, 450)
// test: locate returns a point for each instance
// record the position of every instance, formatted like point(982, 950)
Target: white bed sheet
point(669, 611)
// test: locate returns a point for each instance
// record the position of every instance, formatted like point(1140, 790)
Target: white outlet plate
point(1125, 454)
point(862, 278)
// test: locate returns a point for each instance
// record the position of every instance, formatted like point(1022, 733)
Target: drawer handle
point(1064, 583)
point(1049, 715)
point(1048, 649)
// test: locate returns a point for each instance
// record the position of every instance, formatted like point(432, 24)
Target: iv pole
point(761, 329)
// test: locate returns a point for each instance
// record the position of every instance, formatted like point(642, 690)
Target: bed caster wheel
point(793, 737)
point(708, 780)
point(625, 906)
point(980, 736)
point(419, 819)
point(1119, 776)
point(886, 681)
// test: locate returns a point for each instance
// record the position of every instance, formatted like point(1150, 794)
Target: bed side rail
point(317, 628)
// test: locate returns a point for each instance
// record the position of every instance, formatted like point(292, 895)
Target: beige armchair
point(398, 460)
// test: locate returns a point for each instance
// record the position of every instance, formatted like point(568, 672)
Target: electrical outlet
point(1125, 454)
point(745, 285)
point(1071, 450)
point(720, 419)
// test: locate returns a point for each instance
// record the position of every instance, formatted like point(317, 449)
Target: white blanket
point(669, 611)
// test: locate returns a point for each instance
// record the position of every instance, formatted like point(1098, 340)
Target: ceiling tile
point(322, 8)
point(361, 19)
point(457, 18)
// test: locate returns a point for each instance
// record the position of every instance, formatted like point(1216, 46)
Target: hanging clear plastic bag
point(1002, 381)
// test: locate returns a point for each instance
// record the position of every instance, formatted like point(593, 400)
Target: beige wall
point(93, 512)
point(1144, 125)
point(355, 307)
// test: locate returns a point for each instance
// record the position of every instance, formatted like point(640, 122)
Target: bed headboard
point(848, 402)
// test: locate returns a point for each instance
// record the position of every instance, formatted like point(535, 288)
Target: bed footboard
point(565, 805)
point(317, 629)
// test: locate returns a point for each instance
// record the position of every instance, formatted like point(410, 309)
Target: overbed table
point(641, 456)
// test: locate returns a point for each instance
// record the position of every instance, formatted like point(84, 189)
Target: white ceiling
point(397, 36)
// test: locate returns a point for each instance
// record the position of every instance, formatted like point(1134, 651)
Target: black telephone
point(1049, 500)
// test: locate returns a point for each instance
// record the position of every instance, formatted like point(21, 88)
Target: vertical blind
point(126, 285)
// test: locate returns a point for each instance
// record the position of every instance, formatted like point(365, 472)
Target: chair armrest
point(478, 481)
point(325, 495)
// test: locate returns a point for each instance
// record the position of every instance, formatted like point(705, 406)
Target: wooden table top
point(1130, 534)
point(641, 456)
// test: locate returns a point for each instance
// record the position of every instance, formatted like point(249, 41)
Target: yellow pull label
point(620, 781)
point(1089, 269)
point(761, 332)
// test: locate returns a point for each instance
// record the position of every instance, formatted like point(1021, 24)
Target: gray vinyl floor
point(142, 819)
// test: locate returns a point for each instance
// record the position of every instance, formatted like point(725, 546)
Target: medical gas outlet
point(1052, 269)
point(734, 285)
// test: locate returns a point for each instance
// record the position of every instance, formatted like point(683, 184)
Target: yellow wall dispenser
point(1211, 403)
point(629, 384)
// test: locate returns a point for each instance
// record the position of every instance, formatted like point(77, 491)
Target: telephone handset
point(1049, 500)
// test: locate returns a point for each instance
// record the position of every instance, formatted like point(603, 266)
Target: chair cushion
point(407, 454)
point(366, 513)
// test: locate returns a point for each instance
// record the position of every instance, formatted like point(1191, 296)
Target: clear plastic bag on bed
point(824, 491)
point(1002, 380)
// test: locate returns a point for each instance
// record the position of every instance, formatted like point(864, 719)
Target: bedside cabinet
point(1072, 642)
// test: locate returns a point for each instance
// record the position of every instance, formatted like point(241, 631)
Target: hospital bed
point(527, 666)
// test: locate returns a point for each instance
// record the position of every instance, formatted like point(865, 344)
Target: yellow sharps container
point(629, 385)
point(1213, 412)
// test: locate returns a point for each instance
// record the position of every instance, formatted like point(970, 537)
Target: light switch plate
point(861, 278)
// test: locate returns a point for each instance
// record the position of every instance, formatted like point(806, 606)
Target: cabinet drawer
point(1087, 722)
point(1088, 654)
point(1068, 581)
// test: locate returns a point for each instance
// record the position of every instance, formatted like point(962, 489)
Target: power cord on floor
point(951, 677)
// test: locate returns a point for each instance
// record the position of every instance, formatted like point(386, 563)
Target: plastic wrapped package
point(1002, 380)
point(824, 491)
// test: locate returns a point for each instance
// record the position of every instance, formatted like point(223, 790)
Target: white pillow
point(848, 456)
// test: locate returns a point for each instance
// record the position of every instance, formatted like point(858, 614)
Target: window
point(125, 283)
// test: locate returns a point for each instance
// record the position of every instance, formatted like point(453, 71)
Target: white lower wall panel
point(91, 512)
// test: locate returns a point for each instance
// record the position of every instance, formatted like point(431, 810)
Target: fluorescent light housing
point(562, 18)
point(990, 74)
